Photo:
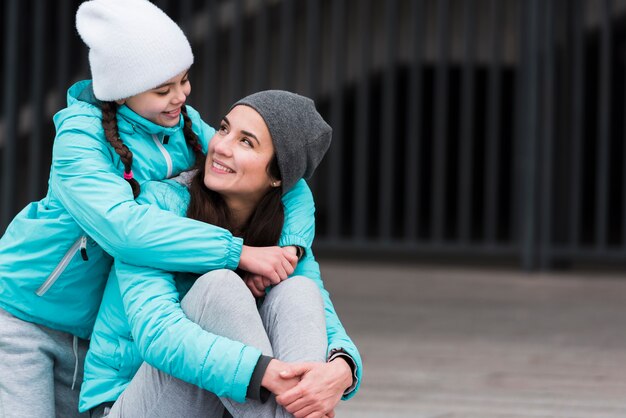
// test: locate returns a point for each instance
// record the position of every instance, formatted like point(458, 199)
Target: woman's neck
point(240, 212)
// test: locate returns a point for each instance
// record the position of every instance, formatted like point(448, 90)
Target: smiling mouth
point(174, 112)
point(221, 168)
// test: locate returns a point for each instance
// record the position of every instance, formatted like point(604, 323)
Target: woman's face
point(162, 104)
point(238, 157)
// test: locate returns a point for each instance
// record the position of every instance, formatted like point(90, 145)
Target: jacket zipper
point(79, 245)
point(166, 155)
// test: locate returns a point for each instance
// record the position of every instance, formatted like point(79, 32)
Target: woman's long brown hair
point(264, 226)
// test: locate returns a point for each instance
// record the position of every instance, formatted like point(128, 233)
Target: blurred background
point(475, 142)
point(488, 130)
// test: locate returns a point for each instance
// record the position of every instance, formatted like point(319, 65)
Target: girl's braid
point(190, 136)
point(109, 123)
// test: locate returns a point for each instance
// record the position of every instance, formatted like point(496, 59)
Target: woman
point(214, 348)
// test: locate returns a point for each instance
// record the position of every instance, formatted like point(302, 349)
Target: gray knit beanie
point(300, 135)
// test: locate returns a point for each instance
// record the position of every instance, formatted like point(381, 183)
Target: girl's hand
point(274, 263)
point(257, 284)
point(320, 388)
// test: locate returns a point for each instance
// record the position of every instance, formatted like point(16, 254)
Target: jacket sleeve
point(338, 338)
point(84, 179)
point(299, 226)
point(171, 342)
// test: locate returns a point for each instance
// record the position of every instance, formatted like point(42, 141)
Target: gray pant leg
point(293, 317)
point(66, 365)
point(220, 303)
point(37, 367)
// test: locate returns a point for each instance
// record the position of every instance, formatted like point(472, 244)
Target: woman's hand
point(273, 379)
point(273, 263)
point(320, 388)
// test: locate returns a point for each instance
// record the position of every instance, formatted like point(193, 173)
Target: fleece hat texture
point(133, 46)
point(300, 135)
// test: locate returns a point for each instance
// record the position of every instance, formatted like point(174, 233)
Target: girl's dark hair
point(264, 226)
point(109, 123)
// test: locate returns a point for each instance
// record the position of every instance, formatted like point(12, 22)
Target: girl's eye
point(185, 81)
point(247, 142)
point(162, 93)
point(223, 128)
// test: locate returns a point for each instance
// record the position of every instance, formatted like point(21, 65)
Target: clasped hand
point(272, 264)
point(308, 390)
point(266, 266)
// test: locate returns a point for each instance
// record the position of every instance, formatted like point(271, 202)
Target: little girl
point(128, 125)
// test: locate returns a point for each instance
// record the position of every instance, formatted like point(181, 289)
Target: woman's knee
point(219, 288)
point(296, 290)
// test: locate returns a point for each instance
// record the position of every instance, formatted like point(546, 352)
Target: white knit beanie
point(133, 46)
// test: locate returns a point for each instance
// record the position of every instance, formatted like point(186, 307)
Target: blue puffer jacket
point(141, 318)
point(56, 254)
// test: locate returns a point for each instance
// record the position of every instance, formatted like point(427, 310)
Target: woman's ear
point(276, 183)
point(120, 102)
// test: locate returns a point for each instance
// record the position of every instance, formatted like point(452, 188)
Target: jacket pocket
point(79, 245)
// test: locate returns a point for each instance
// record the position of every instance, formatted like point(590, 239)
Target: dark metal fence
point(461, 128)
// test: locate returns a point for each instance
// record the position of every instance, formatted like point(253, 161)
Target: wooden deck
point(479, 343)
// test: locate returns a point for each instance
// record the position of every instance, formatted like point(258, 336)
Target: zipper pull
point(83, 248)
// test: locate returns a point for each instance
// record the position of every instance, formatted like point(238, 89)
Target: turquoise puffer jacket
point(55, 255)
point(141, 319)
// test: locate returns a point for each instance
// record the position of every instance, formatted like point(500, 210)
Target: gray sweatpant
point(290, 325)
point(37, 369)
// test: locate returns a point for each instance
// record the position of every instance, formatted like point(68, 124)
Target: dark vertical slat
point(286, 43)
point(313, 46)
point(262, 50)
point(604, 122)
point(37, 95)
point(388, 126)
point(545, 232)
point(441, 131)
point(235, 68)
point(10, 111)
point(62, 51)
point(163, 5)
point(312, 57)
point(464, 213)
point(493, 128)
point(529, 132)
point(185, 15)
point(361, 128)
point(578, 121)
point(210, 91)
point(335, 197)
point(412, 160)
point(624, 181)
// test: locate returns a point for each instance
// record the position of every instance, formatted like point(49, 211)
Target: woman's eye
point(247, 142)
point(223, 128)
point(162, 93)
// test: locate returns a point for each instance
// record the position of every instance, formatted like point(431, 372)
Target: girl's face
point(162, 104)
point(238, 157)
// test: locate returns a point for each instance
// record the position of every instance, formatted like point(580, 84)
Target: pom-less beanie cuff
point(133, 46)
